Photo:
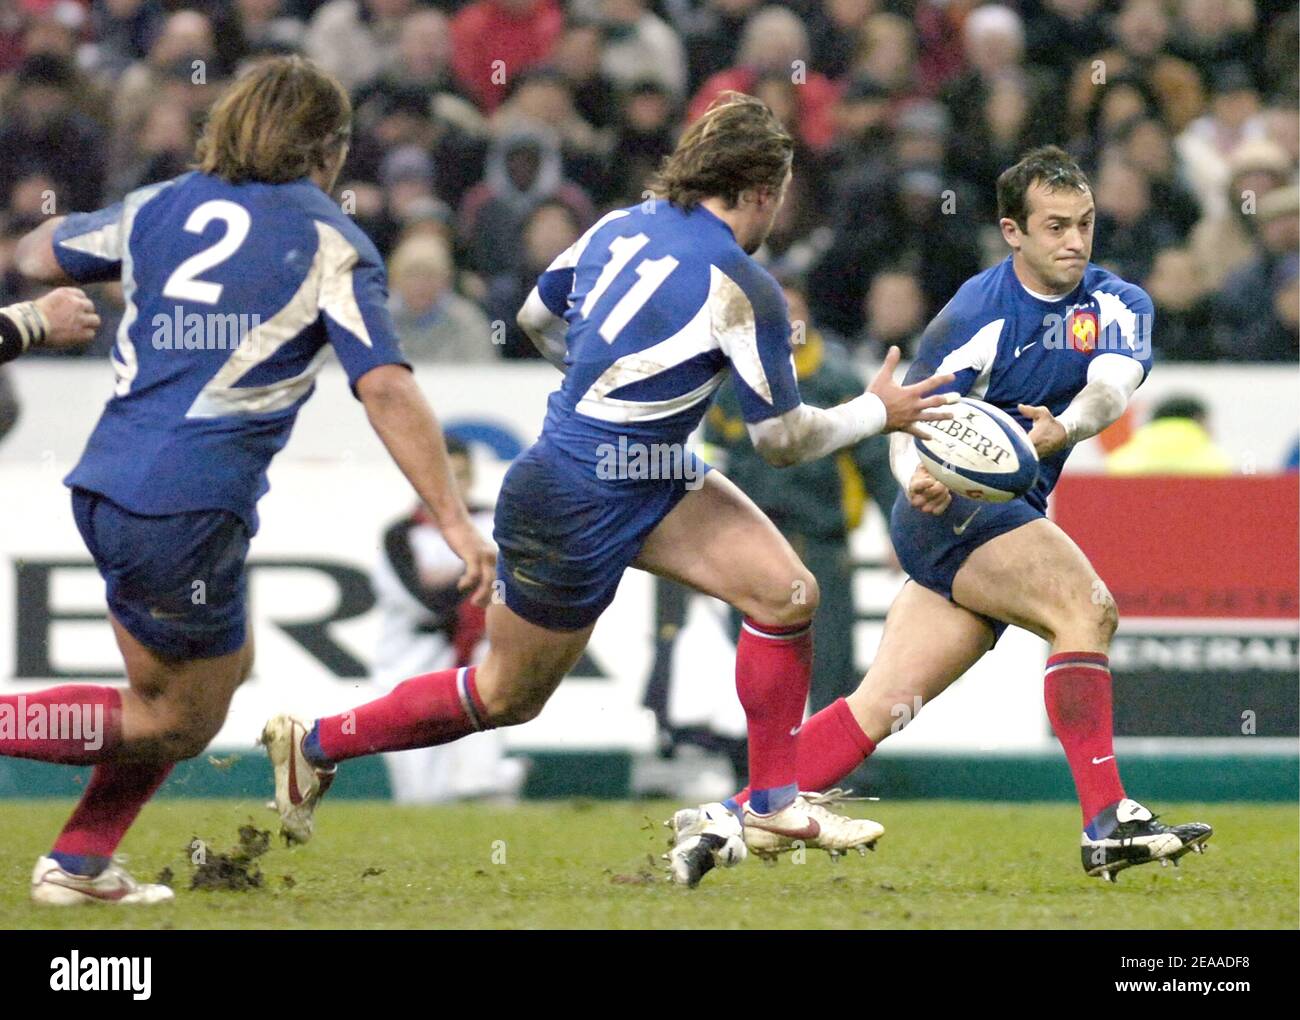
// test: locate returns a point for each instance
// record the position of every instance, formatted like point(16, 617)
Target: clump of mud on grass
point(232, 871)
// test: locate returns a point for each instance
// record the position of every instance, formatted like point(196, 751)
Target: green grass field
point(587, 865)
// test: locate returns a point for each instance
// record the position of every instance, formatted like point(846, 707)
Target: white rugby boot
point(54, 887)
point(299, 785)
point(703, 838)
point(810, 822)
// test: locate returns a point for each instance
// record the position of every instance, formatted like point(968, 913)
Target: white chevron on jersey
point(724, 322)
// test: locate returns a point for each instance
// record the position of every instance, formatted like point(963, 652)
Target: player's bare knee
point(512, 707)
point(786, 606)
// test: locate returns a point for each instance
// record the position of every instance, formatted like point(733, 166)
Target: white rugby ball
point(980, 453)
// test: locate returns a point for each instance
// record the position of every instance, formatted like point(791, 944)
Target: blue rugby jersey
point(660, 303)
point(235, 294)
point(1009, 347)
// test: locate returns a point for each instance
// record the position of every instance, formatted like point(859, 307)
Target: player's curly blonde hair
point(736, 145)
point(278, 122)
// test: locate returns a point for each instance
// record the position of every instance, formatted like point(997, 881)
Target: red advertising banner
point(1189, 547)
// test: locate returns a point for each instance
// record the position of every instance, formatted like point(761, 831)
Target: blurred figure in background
point(1130, 230)
point(1225, 241)
point(426, 624)
point(1255, 309)
point(432, 320)
point(817, 505)
point(495, 40)
point(1184, 308)
point(1176, 441)
point(356, 39)
point(895, 314)
point(549, 230)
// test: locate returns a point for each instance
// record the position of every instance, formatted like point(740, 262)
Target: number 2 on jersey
point(184, 284)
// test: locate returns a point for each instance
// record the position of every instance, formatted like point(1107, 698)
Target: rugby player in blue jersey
point(267, 275)
point(646, 314)
point(1060, 344)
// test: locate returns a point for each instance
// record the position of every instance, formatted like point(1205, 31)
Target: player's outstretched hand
point(905, 406)
point(71, 317)
point(1047, 434)
point(927, 493)
point(480, 558)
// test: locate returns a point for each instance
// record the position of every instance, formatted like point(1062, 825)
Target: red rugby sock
point(435, 708)
point(113, 798)
point(1077, 689)
point(74, 724)
point(830, 745)
point(773, 671)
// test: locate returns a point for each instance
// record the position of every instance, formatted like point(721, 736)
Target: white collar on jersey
point(1051, 298)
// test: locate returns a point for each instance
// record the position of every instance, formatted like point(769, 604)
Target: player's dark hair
point(1181, 405)
point(1050, 166)
point(278, 122)
point(736, 145)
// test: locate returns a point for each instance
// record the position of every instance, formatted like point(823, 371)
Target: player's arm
point(806, 433)
point(964, 350)
point(354, 308)
point(1112, 381)
point(409, 429)
point(544, 327)
point(64, 317)
point(784, 430)
point(34, 254)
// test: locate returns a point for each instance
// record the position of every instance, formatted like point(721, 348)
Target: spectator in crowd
point(495, 40)
point(1140, 32)
point(1176, 441)
point(265, 28)
point(1213, 33)
point(1208, 143)
point(182, 64)
point(1255, 312)
point(815, 505)
point(894, 314)
point(355, 40)
point(542, 98)
point(161, 148)
point(644, 135)
point(836, 30)
point(549, 229)
point(432, 320)
point(775, 42)
point(1184, 307)
point(886, 54)
point(1129, 231)
point(1061, 32)
point(639, 46)
point(993, 40)
point(45, 135)
point(524, 169)
point(578, 56)
point(1004, 130)
point(712, 35)
point(124, 32)
point(1146, 144)
point(1225, 241)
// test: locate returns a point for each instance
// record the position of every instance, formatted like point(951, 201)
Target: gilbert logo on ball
point(980, 453)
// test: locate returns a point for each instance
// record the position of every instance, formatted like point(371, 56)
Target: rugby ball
point(980, 452)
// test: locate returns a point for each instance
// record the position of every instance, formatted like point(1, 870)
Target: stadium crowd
point(489, 134)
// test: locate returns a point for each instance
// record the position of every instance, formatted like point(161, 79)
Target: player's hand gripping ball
point(980, 453)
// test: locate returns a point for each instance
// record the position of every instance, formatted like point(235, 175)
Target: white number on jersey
point(183, 283)
point(651, 272)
